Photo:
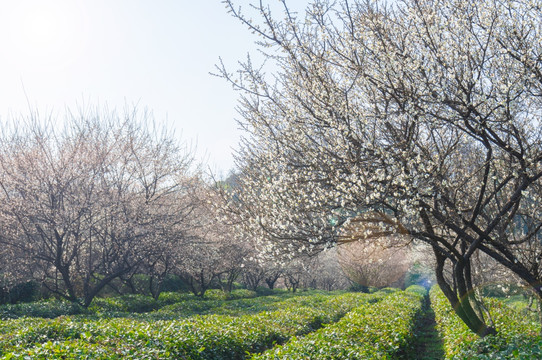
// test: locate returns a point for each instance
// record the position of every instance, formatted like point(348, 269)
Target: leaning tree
point(418, 118)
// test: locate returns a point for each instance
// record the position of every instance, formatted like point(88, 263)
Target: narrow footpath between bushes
point(428, 345)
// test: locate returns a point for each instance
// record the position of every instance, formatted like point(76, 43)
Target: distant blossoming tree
point(426, 112)
point(89, 202)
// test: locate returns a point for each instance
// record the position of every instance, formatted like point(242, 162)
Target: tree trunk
point(155, 287)
point(89, 296)
point(272, 280)
point(462, 304)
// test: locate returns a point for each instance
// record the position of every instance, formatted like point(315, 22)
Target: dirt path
point(428, 345)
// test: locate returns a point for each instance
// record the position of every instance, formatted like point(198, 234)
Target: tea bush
point(517, 336)
point(382, 330)
point(197, 337)
point(44, 308)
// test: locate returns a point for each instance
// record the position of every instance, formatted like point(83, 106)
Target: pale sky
point(154, 53)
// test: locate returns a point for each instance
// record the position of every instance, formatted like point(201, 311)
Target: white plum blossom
point(426, 112)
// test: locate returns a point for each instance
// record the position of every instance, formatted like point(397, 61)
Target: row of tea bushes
point(383, 330)
point(517, 336)
point(122, 305)
point(199, 337)
point(136, 303)
point(239, 307)
point(453, 332)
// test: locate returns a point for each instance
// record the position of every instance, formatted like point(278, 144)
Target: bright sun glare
point(40, 30)
point(43, 32)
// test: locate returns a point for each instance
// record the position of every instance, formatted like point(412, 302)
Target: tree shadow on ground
point(427, 345)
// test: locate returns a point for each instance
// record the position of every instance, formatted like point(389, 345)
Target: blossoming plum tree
point(424, 112)
point(89, 203)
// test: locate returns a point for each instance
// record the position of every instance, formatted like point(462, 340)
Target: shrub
point(124, 303)
point(417, 289)
point(21, 292)
point(358, 288)
point(199, 337)
point(44, 309)
point(215, 294)
point(167, 298)
point(242, 294)
point(381, 330)
point(173, 283)
point(517, 336)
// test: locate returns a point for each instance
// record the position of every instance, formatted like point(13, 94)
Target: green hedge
point(124, 305)
point(43, 308)
point(199, 337)
point(417, 289)
point(169, 306)
point(382, 330)
point(238, 307)
point(517, 336)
